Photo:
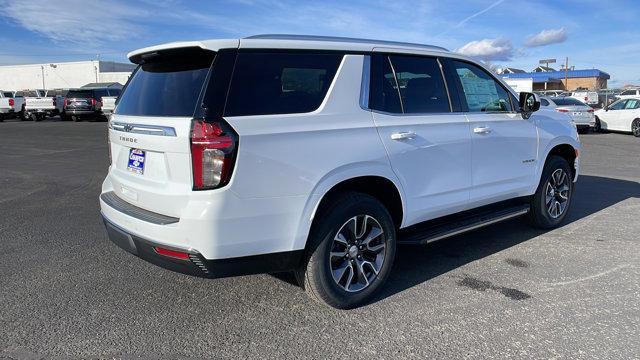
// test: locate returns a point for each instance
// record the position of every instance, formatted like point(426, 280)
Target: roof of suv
point(275, 41)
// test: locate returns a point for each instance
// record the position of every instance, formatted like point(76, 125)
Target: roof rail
point(345, 40)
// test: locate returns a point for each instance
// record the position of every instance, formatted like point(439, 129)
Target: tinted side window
point(481, 92)
point(422, 88)
point(632, 104)
point(383, 91)
point(114, 92)
point(280, 83)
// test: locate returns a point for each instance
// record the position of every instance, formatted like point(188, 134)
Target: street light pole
point(42, 69)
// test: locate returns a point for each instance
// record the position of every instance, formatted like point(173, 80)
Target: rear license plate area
point(136, 162)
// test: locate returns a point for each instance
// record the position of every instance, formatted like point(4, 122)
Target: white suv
point(319, 155)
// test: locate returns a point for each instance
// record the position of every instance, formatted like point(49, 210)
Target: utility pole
point(566, 73)
point(42, 69)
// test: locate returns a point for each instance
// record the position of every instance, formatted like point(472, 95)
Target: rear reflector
point(171, 253)
point(590, 110)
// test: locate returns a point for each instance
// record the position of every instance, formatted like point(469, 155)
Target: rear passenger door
point(428, 143)
point(504, 145)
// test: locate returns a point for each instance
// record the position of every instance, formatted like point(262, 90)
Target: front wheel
point(635, 127)
point(351, 252)
point(597, 127)
point(550, 203)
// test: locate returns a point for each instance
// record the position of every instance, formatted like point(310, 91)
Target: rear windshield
point(82, 94)
point(7, 94)
point(166, 85)
point(280, 83)
point(566, 101)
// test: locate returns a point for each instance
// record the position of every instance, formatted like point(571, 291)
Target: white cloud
point(546, 37)
point(488, 49)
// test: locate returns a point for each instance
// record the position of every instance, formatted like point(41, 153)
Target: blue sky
point(593, 33)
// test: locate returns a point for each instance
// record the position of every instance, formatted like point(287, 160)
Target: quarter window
point(481, 91)
point(544, 102)
point(280, 83)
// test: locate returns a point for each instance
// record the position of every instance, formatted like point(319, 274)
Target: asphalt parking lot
point(504, 291)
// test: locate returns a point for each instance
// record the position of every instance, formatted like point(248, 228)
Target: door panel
point(428, 145)
point(433, 165)
point(503, 145)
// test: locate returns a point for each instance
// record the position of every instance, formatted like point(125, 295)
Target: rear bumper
point(197, 265)
point(81, 112)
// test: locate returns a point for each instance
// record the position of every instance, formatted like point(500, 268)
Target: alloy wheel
point(357, 253)
point(557, 193)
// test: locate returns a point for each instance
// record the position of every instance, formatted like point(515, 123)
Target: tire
point(551, 201)
point(75, 118)
point(34, 117)
point(597, 127)
point(635, 127)
point(337, 250)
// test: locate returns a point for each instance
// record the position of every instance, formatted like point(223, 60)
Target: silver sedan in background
point(581, 113)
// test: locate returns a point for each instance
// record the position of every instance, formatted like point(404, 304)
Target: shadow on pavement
point(417, 264)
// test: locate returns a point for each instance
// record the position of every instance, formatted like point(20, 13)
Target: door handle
point(482, 130)
point(403, 135)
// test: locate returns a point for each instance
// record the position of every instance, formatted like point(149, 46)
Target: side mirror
point(529, 103)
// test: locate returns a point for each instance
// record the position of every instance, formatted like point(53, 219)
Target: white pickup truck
point(38, 105)
point(588, 97)
point(10, 106)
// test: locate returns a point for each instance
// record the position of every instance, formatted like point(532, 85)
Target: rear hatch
point(80, 100)
point(150, 131)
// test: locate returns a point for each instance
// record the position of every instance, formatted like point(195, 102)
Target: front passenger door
point(504, 145)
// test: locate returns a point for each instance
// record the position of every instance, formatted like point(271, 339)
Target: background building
point(592, 79)
point(63, 75)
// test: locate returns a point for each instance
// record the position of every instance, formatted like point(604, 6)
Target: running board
point(430, 231)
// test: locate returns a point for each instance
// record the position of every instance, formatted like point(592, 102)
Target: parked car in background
point(623, 115)
point(319, 154)
point(629, 93)
point(83, 104)
point(607, 97)
point(555, 93)
point(109, 102)
point(10, 105)
point(588, 97)
point(580, 113)
point(38, 105)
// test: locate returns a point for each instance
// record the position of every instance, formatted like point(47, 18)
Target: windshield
point(567, 101)
point(166, 85)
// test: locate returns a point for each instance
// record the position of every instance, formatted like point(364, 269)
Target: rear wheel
point(635, 127)
point(550, 203)
point(352, 247)
point(75, 118)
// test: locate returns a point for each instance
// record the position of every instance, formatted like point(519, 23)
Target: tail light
point(213, 152)
point(66, 102)
point(562, 110)
point(93, 102)
point(12, 102)
point(590, 110)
